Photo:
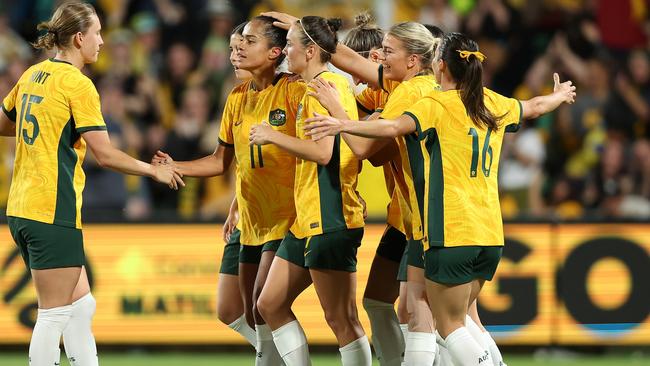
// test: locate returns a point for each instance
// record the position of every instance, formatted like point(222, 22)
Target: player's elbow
point(324, 158)
point(102, 158)
point(392, 130)
point(361, 154)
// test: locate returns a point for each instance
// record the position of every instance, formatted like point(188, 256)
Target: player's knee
point(341, 322)
point(227, 313)
point(266, 307)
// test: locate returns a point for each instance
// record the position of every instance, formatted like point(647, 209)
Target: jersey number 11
point(260, 161)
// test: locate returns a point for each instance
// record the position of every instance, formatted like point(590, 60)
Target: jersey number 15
point(28, 117)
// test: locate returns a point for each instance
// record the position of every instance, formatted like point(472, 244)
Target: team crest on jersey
point(299, 112)
point(277, 117)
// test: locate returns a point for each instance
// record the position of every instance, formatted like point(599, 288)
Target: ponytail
point(48, 40)
point(464, 62)
point(68, 20)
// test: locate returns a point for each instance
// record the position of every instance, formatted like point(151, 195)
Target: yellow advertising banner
point(156, 284)
point(518, 305)
point(604, 283)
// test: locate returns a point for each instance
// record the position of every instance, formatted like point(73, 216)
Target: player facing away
point(321, 246)
point(265, 174)
point(463, 128)
point(54, 112)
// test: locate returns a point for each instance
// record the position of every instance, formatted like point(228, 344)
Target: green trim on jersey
point(66, 198)
point(363, 108)
point(10, 114)
point(380, 74)
point(436, 214)
point(81, 130)
point(222, 142)
point(418, 128)
point(514, 127)
point(61, 61)
point(416, 161)
point(329, 187)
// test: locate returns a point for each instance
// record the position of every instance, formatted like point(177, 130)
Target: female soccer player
point(230, 307)
point(382, 288)
point(405, 73)
point(463, 130)
point(54, 112)
point(322, 244)
point(265, 175)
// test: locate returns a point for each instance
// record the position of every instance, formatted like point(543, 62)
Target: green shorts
point(46, 246)
point(253, 253)
point(413, 256)
point(459, 265)
point(230, 259)
point(392, 244)
point(334, 251)
point(292, 249)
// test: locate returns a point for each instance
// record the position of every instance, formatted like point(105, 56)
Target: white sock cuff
point(356, 344)
point(440, 340)
point(84, 307)
point(404, 328)
point(421, 342)
point(289, 338)
point(55, 317)
point(369, 304)
point(237, 323)
point(263, 332)
point(459, 334)
point(469, 322)
point(84, 299)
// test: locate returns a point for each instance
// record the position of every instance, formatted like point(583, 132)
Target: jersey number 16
point(487, 150)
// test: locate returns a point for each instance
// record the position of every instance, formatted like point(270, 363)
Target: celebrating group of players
point(298, 139)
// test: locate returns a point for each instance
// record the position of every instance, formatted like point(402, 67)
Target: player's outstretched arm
point(321, 126)
point(319, 152)
point(327, 95)
point(212, 165)
point(345, 58)
point(562, 93)
point(108, 156)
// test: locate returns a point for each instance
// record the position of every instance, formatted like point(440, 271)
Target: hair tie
point(308, 36)
point(465, 55)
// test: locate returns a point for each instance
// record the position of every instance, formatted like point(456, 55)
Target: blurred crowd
point(164, 74)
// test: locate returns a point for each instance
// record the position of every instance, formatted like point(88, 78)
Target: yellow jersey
point(370, 100)
point(386, 84)
point(462, 204)
point(265, 174)
point(373, 100)
point(413, 162)
point(325, 196)
point(53, 103)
